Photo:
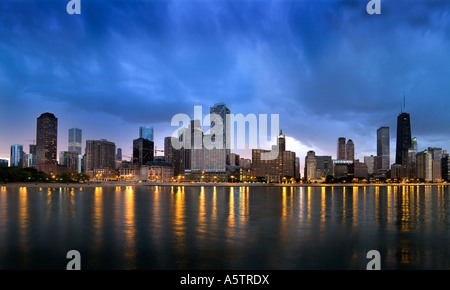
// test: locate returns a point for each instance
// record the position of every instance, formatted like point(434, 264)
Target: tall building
point(70, 160)
point(412, 152)
point(341, 150)
point(324, 167)
point(310, 165)
point(32, 156)
point(75, 140)
point(383, 149)
point(370, 162)
point(424, 164)
point(118, 157)
point(46, 139)
point(16, 155)
point(281, 168)
point(142, 151)
point(100, 154)
point(146, 132)
point(350, 150)
point(445, 166)
point(223, 112)
point(403, 142)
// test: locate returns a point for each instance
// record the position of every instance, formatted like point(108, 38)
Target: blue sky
point(327, 68)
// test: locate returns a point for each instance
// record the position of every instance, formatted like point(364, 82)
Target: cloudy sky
point(327, 68)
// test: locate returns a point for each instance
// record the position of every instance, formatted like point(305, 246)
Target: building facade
point(350, 150)
point(46, 139)
point(146, 132)
point(75, 139)
point(383, 149)
point(403, 142)
point(16, 156)
point(142, 151)
point(341, 150)
point(100, 154)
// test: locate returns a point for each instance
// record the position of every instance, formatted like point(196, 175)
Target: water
point(239, 228)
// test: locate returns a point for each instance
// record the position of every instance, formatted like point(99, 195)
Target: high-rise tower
point(341, 151)
point(46, 139)
point(75, 140)
point(383, 150)
point(403, 142)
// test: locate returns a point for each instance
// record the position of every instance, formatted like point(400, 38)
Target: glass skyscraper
point(16, 155)
point(146, 132)
point(75, 140)
point(403, 142)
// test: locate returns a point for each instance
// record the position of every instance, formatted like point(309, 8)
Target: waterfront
point(225, 227)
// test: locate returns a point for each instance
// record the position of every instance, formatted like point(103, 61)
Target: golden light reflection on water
point(97, 222)
point(130, 226)
point(24, 224)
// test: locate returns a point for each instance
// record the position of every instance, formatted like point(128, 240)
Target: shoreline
point(208, 184)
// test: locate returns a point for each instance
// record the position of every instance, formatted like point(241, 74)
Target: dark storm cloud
point(327, 67)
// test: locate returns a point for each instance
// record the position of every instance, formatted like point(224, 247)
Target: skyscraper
point(16, 155)
point(222, 111)
point(46, 139)
point(403, 142)
point(142, 151)
point(146, 132)
point(32, 156)
point(350, 150)
point(100, 154)
point(310, 165)
point(75, 140)
point(281, 142)
point(341, 150)
point(383, 151)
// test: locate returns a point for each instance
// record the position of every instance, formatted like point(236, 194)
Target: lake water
point(222, 228)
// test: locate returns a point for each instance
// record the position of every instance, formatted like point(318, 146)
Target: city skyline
point(112, 69)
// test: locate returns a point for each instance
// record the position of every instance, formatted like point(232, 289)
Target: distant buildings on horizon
point(103, 161)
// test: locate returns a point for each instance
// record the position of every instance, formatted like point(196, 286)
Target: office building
point(100, 154)
point(118, 157)
point(383, 149)
point(281, 168)
point(412, 152)
point(424, 165)
point(142, 151)
point(16, 156)
point(341, 150)
point(46, 139)
point(445, 166)
point(222, 111)
point(75, 140)
point(146, 132)
point(32, 156)
point(4, 163)
point(350, 150)
point(370, 162)
point(403, 142)
point(70, 160)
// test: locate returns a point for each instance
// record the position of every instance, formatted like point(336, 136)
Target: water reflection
point(243, 227)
